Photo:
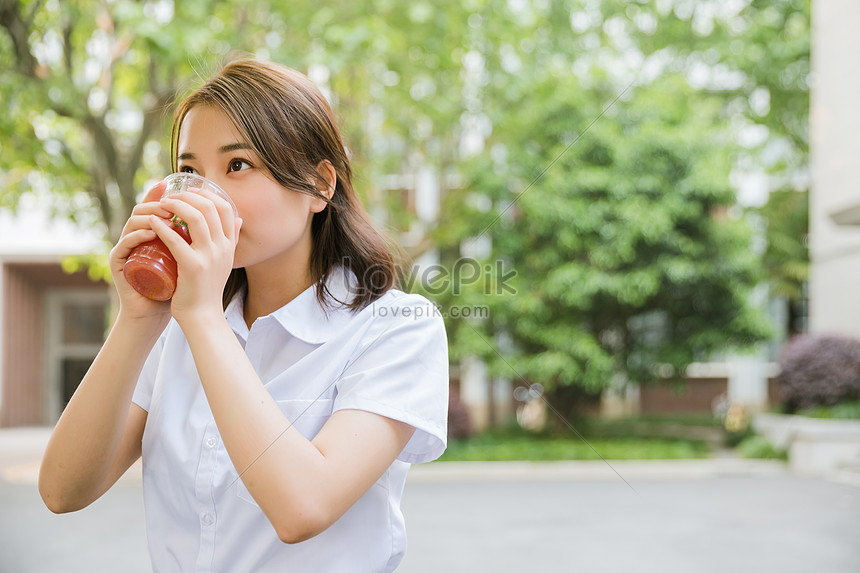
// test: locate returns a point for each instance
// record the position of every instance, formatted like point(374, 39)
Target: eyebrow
point(223, 149)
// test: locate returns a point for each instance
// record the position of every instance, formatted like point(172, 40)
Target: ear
point(326, 169)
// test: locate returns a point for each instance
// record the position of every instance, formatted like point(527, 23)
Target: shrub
point(842, 411)
point(755, 446)
point(819, 371)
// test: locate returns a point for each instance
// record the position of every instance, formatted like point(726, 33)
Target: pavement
point(701, 516)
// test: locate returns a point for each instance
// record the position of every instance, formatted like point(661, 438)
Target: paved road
point(779, 524)
point(697, 517)
point(108, 536)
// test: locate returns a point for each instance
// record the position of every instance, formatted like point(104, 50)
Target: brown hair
point(289, 124)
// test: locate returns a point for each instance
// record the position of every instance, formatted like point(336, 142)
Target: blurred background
point(637, 218)
point(608, 201)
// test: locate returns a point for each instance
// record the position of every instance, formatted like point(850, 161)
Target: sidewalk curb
point(593, 470)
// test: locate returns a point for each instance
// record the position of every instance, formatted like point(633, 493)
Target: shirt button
point(207, 519)
point(211, 441)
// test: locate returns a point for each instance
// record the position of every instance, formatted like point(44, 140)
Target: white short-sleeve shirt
point(390, 358)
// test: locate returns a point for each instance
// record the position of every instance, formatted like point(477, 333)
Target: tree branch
point(98, 189)
point(33, 9)
point(67, 47)
point(104, 143)
point(67, 154)
point(19, 30)
point(155, 103)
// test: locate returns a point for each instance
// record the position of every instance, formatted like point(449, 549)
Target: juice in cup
point(150, 268)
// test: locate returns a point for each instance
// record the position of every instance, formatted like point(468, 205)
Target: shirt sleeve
point(146, 381)
point(400, 371)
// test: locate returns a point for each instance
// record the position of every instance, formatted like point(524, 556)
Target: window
point(76, 323)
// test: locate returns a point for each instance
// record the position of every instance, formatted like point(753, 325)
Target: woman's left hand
point(205, 264)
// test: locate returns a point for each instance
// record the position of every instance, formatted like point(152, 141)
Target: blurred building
point(53, 322)
point(835, 145)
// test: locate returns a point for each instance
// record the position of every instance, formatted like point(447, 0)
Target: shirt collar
point(303, 317)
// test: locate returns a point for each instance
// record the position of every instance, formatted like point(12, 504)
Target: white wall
point(30, 230)
point(835, 156)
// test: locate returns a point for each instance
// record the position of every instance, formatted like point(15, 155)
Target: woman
point(279, 397)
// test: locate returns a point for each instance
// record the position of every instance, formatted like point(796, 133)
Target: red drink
point(150, 268)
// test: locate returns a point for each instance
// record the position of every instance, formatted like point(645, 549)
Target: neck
point(271, 288)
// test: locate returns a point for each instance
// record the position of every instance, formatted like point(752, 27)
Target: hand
point(205, 264)
point(137, 230)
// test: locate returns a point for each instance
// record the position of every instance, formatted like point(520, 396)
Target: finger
point(141, 221)
point(150, 208)
point(173, 240)
point(136, 223)
point(198, 216)
point(129, 241)
point(201, 203)
point(226, 212)
point(155, 193)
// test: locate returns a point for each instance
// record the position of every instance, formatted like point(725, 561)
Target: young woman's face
point(276, 221)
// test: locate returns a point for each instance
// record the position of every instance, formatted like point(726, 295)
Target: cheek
point(272, 226)
point(273, 212)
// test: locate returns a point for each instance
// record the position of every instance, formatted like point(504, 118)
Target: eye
point(186, 169)
point(238, 165)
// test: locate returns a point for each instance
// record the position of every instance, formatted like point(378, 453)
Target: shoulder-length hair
point(286, 120)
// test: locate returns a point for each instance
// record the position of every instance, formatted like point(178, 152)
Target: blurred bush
point(819, 371)
point(843, 411)
point(758, 447)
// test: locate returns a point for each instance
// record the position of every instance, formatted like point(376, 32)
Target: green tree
point(89, 87)
point(86, 85)
point(631, 262)
point(777, 59)
point(757, 58)
point(786, 258)
point(394, 75)
point(630, 259)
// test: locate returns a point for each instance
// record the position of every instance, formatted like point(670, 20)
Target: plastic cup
point(150, 268)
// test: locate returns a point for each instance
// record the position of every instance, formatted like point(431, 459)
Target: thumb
point(155, 193)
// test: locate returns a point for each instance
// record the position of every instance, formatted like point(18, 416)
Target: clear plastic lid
point(181, 182)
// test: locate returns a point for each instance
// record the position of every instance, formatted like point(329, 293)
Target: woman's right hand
point(137, 230)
